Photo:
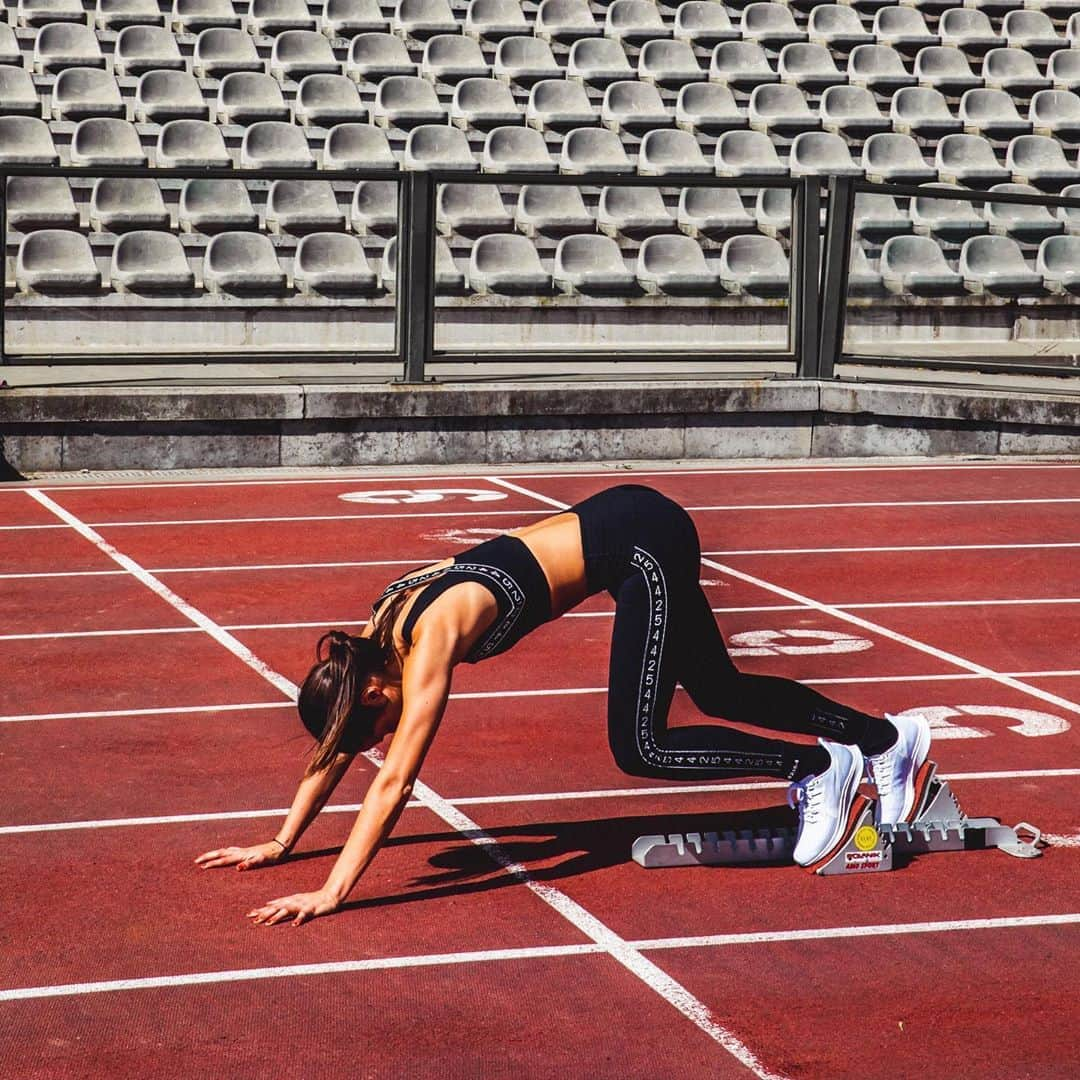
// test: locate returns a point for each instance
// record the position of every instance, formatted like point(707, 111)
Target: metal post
point(834, 282)
point(808, 275)
point(416, 273)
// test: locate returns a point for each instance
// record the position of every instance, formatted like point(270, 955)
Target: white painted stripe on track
point(654, 977)
point(167, 710)
point(891, 548)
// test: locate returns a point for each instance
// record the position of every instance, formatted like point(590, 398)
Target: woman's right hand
point(242, 858)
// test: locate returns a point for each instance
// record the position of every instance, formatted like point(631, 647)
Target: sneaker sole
point(858, 805)
point(919, 777)
point(846, 819)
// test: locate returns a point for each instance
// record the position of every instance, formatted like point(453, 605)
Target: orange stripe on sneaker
point(860, 803)
point(922, 778)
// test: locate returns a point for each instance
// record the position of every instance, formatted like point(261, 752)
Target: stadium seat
point(116, 14)
point(9, 46)
point(597, 61)
point(451, 57)
point(946, 69)
point(212, 206)
point(525, 60)
point(952, 220)
point(438, 146)
point(1029, 223)
point(780, 110)
point(516, 149)
point(669, 63)
point(347, 18)
point(245, 97)
point(423, 18)
point(122, 204)
point(1039, 160)
point(837, 26)
point(273, 17)
point(271, 144)
point(1072, 31)
point(43, 12)
point(551, 210)
point(772, 211)
point(194, 16)
point(448, 278)
point(1058, 263)
point(1013, 70)
point(891, 158)
point(635, 21)
point(996, 265)
point(559, 105)
point(1033, 31)
point(326, 100)
point(754, 265)
point(406, 101)
point(633, 106)
point(741, 65)
point(992, 113)
point(103, 141)
point(495, 19)
point(770, 25)
point(64, 45)
point(968, 30)
point(1063, 69)
point(1055, 112)
point(879, 68)
point(916, 265)
point(376, 56)
point(747, 153)
point(40, 202)
point(240, 262)
point(55, 260)
point(593, 149)
point(675, 265)
point(565, 21)
point(25, 140)
point(819, 153)
point(506, 264)
point(332, 263)
point(587, 263)
point(877, 217)
point(470, 209)
point(863, 279)
point(374, 207)
point(18, 95)
point(709, 108)
point(161, 96)
point(712, 211)
point(303, 206)
point(903, 28)
point(140, 49)
point(1069, 216)
point(851, 111)
point(917, 110)
point(150, 261)
point(484, 103)
point(219, 51)
point(968, 160)
point(703, 23)
point(352, 146)
point(810, 67)
point(666, 152)
point(298, 53)
point(81, 92)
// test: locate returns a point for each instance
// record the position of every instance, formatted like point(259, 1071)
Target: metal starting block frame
point(939, 825)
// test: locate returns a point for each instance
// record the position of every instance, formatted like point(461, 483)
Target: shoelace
point(807, 797)
point(882, 771)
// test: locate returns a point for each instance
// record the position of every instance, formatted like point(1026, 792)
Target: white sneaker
point(896, 772)
point(824, 802)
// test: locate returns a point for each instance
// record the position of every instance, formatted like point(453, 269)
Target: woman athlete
point(644, 550)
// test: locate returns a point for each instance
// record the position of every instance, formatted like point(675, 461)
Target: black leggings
point(643, 548)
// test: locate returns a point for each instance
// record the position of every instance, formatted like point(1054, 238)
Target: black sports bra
point(510, 572)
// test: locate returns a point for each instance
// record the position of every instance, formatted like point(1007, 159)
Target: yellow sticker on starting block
point(866, 838)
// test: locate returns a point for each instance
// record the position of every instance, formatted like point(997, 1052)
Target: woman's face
point(387, 698)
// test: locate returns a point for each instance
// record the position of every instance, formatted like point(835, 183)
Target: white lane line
point(635, 962)
point(720, 788)
point(168, 710)
point(389, 963)
point(892, 548)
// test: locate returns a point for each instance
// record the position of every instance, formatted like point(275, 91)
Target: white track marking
point(203, 978)
point(165, 711)
point(654, 977)
point(892, 548)
point(1055, 840)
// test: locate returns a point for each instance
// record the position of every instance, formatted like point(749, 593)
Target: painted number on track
point(795, 643)
point(1025, 721)
point(421, 495)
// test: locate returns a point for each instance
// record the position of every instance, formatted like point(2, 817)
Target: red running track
point(132, 740)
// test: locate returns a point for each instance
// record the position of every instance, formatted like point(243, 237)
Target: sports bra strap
point(407, 583)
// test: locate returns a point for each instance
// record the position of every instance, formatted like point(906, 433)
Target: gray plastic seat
point(351, 146)
point(566, 21)
point(495, 19)
point(747, 153)
point(64, 45)
point(916, 265)
point(272, 144)
point(9, 46)
point(43, 12)
point(712, 211)
point(377, 56)
point(240, 262)
point(587, 263)
point(992, 113)
point(1029, 223)
point(837, 26)
point(877, 217)
point(952, 220)
point(781, 110)
point(470, 209)
point(347, 18)
point(448, 278)
point(879, 68)
point(918, 110)
point(863, 279)
point(374, 207)
point(82, 92)
point(326, 100)
point(140, 49)
point(54, 260)
point(633, 106)
point(332, 263)
point(754, 265)
point(25, 140)
point(1069, 216)
point(1063, 69)
point(106, 141)
point(1058, 263)
point(276, 16)
point(809, 67)
point(1039, 160)
point(772, 211)
point(741, 65)
point(589, 149)
point(635, 21)
point(18, 95)
point(971, 31)
point(1013, 70)
point(245, 97)
point(968, 160)
point(194, 16)
point(1033, 31)
point(122, 204)
point(439, 146)
point(558, 105)
point(194, 143)
point(946, 69)
point(40, 202)
point(895, 159)
point(297, 53)
point(668, 63)
point(1055, 112)
point(903, 28)
point(303, 206)
point(525, 60)
point(771, 25)
point(996, 265)
point(552, 211)
point(484, 103)
point(851, 111)
point(211, 206)
point(169, 95)
point(220, 50)
point(450, 57)
point(675, 265)
point(116, 14)
point(506, 264)
point(422, 18)
point(665, 152)
point(597, 61)
point(405, 101)
point(150, 261)
point(703, 23)
point(516, 149)
point(708, 107)
point(820, 153)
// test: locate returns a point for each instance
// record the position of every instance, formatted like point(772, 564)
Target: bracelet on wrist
point(280, 844)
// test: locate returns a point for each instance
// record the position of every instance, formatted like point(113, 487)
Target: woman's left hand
point(300, 908)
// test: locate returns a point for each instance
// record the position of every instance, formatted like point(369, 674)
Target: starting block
point(939, 825)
